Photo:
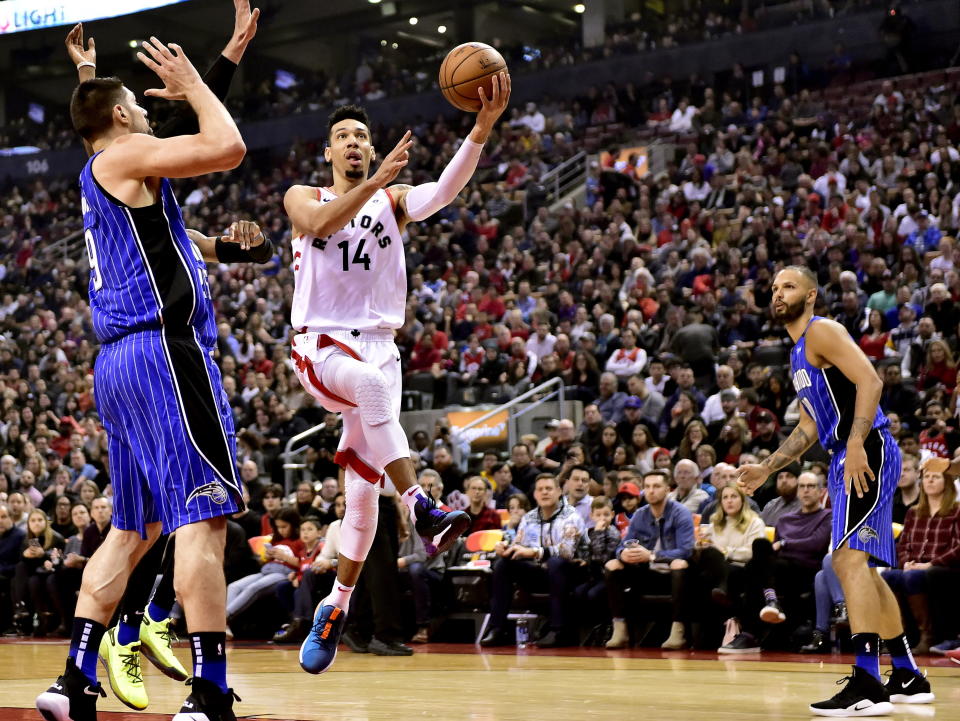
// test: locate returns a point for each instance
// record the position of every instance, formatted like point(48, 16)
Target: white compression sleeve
point(425, 200)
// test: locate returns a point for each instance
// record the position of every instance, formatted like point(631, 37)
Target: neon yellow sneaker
point(122, 664)
point(157, 641)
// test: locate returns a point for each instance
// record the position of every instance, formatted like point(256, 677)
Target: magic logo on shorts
point(214, 491)
point(867, 534)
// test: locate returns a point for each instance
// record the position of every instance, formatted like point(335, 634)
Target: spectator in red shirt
point(628, 497)
point(751, 410)
point(939, 437)
point(874, 342)
point(471, 359)
point(482, 517)
point(492, 304)
point(938, 368)
point(424, 355)
point(561, 349)
point(440, 340)
point(482, 329)
point(836, 214)
point(516, 174)
point(260, 363)
point(928, 556)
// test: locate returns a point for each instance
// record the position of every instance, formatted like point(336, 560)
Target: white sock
point(410, 499)
point(339, 596)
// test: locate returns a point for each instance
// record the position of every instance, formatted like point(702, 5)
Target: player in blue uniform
point(144, 628)
point(171, 444)
point(839, 392)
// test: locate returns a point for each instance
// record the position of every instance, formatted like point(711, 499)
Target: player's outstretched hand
point(244, 232)
point(395, 161)
point(856, 470)
point(493, 107)
point(74, 42)
point(244, 28)
point(752, 476)
point(173, 67)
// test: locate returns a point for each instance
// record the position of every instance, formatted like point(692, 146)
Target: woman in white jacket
point(726, 544)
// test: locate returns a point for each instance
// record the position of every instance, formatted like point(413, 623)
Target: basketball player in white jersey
point(349, 299)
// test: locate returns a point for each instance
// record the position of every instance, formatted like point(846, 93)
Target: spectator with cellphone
point(41, 547)
point(283, 554)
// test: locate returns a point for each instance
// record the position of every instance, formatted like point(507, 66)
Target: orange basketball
point(464, 70)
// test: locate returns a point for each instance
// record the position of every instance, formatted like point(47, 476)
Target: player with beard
point(839, 393)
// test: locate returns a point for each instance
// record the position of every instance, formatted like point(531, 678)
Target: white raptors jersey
point(354, 279)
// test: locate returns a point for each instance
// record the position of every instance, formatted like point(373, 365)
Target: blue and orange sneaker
point(319, 650)
point(438, 529)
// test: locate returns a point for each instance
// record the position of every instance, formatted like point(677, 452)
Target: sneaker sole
point(191, 717)
point(452, 533)
point(113, 687)
point(883, 708)
point(912, 698)
point(167, 670)
point(310, 670)
point(53, 706)
point(735, 651)
point(772, 616)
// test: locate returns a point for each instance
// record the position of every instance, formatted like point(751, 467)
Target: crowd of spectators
point(270, 91)
point(650, 301)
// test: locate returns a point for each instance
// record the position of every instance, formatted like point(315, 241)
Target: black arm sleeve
point(232, 253)
point(184, 120)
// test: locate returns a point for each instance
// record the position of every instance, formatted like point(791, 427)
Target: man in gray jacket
point(541, 560)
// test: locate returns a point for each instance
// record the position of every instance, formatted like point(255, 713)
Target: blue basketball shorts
point(172, 446)
point(866, 524)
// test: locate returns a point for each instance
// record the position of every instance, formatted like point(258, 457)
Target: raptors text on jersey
point(354, 279)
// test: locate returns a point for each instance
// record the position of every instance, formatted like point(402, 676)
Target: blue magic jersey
point(145, 273)
point(827, 395)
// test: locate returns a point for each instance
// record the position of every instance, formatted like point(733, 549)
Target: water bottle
point(523, 632)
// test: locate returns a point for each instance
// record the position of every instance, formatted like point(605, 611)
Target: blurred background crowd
point(647, 295)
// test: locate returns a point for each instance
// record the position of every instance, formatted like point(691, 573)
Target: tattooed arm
point(829, 344)
point(753, 475)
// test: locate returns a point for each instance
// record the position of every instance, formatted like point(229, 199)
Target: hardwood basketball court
point(445, 682)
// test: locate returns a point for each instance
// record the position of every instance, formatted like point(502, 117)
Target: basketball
point(465, 69)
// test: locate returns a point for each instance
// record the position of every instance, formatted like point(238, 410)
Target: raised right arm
point(217, 147)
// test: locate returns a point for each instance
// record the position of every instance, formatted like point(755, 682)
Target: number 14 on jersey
point(359, 257)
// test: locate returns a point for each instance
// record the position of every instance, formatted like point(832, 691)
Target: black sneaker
point(863, 695)
point(772, 613)
point(388, 648)
point(818, 643)
point(907, 686)
point(742, 643)
point(293, 632)
point(438, 529)
point(71, 697)
point(207, 702)
point(355, 644)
